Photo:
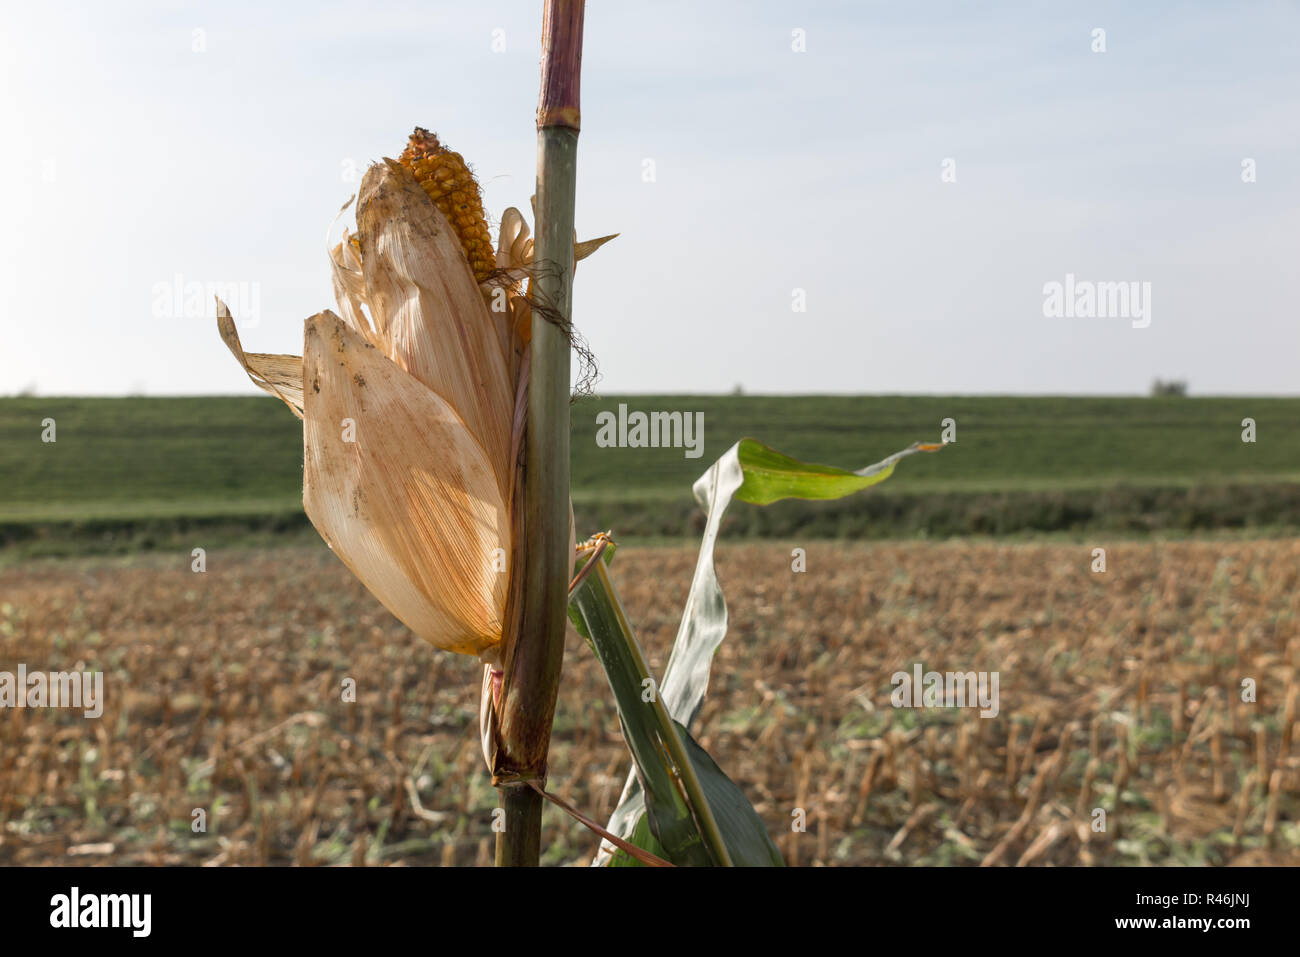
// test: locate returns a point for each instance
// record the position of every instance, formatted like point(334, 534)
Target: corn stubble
point(290, 773)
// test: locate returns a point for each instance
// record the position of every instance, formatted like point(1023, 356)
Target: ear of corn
point(444, 175)
point(422, 520)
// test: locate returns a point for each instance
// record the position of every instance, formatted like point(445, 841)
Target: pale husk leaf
point(588, 246)
point(515, 249)
point(412, 505)
point(350, 290)
point(277, 374)
point(435, 323)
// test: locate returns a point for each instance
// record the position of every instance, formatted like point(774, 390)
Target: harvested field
point(1119, 690)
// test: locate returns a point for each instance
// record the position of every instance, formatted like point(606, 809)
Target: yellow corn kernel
point(452, 187)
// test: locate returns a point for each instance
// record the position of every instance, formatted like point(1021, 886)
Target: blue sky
point(134, 158)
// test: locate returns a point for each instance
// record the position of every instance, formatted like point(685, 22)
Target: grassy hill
point(1019, 463)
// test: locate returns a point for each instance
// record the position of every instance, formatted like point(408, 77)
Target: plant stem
point(519, 845)
point(532, 671)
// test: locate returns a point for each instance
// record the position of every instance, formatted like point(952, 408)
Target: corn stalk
point(532, 670)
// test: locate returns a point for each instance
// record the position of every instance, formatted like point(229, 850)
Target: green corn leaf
point(579, 622)
point(674, 804)
point(754, 473)
point(641, 837)
point(770, 476)
point(746, 836)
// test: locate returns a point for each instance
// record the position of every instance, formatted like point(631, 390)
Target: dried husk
point(411, 506)
point(435, 323)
